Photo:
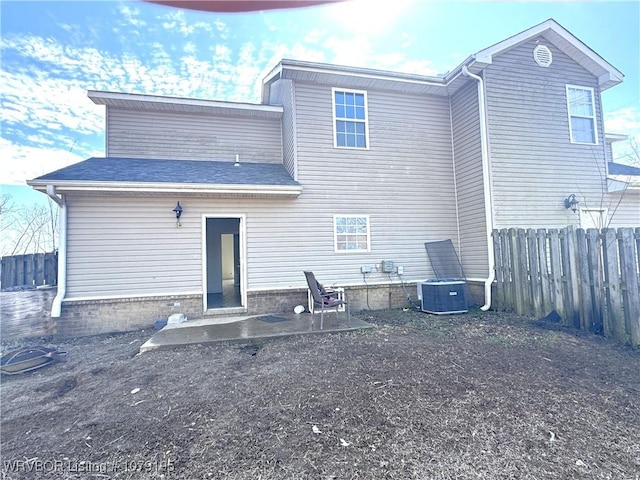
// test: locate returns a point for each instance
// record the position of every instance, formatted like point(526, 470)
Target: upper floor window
point(350, 118)
point(582, 115)
point(351, 233)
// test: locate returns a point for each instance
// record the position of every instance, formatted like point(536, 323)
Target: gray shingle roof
point(145, 170)
point(622, 169)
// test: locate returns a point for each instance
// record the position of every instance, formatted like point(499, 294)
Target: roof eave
point(617, 184)
point(143, 101)
point(63, 186)
point(611, 76)
point(285, 66)
point(615, 137)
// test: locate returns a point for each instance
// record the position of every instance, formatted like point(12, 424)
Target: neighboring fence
point(591, 278)
point(34, 269)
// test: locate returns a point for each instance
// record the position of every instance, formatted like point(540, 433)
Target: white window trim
point(366, 117)
point(593, 117)
point(589, 212)
point(335, 233)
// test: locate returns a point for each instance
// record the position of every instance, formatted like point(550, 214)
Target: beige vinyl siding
point(129, 245)
point(404, 181)
point(169, 135)
point(609, 152)
point(623, 208)
point(469, 182)
point(534, 165)
point(282, 94)
point(142, 253)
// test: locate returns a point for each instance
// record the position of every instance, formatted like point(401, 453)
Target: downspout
point(56, 306)
point(486, 179)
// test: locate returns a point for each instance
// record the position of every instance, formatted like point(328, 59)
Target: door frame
point(242, 233)
point(587, 216)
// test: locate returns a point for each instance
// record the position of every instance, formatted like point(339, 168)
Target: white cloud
point(315, 35)
point(342, 50)
point(40, 103)
point(22, 162)
point(221, 53)
point(368, 57)
point(175, 20)
point(131, 15)
point(190, 48)
point(624, 121)
point(48, 121)
point(367, 16)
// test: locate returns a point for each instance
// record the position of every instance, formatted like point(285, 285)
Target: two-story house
point(336, 170)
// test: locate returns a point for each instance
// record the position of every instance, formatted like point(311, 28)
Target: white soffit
point(186, 105)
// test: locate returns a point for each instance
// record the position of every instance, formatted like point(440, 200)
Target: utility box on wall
point(442, 296)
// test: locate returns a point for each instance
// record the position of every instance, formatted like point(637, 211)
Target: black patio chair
point(325, 299)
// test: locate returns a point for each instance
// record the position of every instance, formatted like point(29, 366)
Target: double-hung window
point(351, 233)
point(582, 115)
point(350, 118)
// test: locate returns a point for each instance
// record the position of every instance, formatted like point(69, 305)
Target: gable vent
point(542, 55)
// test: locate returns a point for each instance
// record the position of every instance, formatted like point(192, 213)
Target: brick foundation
point(92, 317)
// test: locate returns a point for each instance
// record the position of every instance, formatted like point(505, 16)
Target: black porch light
point(178, 211)
point(571, 202)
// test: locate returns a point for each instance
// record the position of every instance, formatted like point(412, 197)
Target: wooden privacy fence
point(591, 278)
point(34, 269)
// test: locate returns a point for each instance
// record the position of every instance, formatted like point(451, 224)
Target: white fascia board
point(364, 73)
point(486, 55)
point(273, 73)
point(195, 188)
point(105, 98)
point(612, 76)
point(615, 137)
point(620, 183)
point(609, 79)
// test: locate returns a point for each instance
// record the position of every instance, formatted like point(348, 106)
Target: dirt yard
point(477, 396)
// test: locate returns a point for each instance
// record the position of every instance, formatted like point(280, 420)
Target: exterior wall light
point(571, 202)
point(178, 212)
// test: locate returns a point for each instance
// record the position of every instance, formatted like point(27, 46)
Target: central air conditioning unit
point(442, 297)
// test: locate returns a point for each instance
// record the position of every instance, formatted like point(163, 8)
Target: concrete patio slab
point(229, 329)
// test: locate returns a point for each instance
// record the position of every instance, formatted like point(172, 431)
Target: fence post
point(614, 324)
point(534, 273)
point(585, 301)
point(570, 269)
point(543, 260)
point(51, 268)
point(517, 252)
point(4, 278)
point(556, 273)
point(594, 252)
point(38, 268)
point(631, 290)
point(509, 295)
point(499, 268)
